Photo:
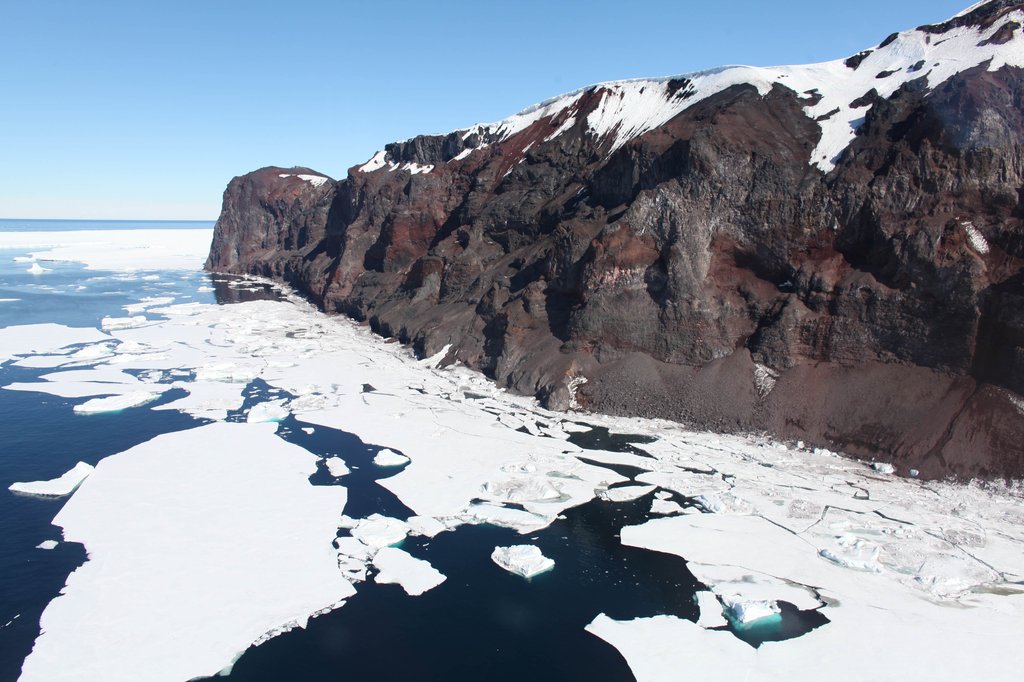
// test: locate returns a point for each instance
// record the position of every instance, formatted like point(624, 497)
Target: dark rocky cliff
point(710, 268)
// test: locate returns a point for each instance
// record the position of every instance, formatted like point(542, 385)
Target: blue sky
point(147, 109)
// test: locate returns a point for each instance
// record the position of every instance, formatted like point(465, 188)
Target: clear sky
point(146, 109)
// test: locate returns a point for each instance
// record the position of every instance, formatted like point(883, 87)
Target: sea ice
point(37, 269)
point(426, 526)
point(416, 576)
point(524, 560)
point(390, 458)
point(744, 613)
point(44, 338)
point(666, 507)
point(336, 467)
point(271, 411)
point(114, 323)
point(47, 544)
point(116, 403)
point(380, 531)
point(117, 250)
point(200, 543)
point(710, 610)
point(626, 493)
point(57, 487)
point(228, 372)
point(661, 648)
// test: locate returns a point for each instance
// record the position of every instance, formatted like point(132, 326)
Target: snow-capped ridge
point(627, 109)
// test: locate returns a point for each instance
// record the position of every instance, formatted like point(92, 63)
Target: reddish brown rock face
point(884, 299)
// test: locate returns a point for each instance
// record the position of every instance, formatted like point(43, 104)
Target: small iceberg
point(745, 613)
point(57, 487)
point(524, 560)
point(390, 458)
point(47, 544)
point(380, 531)
point(336, 467)
point(38, 269)
point(416, 576)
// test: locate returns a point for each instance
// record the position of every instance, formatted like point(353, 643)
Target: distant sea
point(35, 225)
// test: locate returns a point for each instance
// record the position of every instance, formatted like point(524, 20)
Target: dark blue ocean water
point(481, 623)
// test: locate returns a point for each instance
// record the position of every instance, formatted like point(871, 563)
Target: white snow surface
point(976, 238)
point(628, 109)
point(626, 493)
point(390, 458)
point(57, 487)
point(377, 532)
point(44, 338)
point(200, 542)
point(336, 467)
point(747, 611)
point(524, 560)
point(416, 576)
point(116, 403)
point(315, 180)
point(118, 250)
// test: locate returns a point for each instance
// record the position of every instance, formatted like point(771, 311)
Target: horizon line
point(117, 220)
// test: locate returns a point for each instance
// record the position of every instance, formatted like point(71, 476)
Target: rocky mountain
point(831, 252)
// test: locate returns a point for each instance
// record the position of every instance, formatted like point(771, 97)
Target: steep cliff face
point(830, 253)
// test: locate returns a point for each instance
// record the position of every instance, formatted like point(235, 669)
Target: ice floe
point(378, 531)
point(44, 338)
point(114, 323)
point(47, 544)
point(271, 411)
point(390, 458)
point(336, 467)
point(117, 250)
point(524, 560)
point(745, 612)
point(57, 487)
point(116, 403)
point(210, 538)
point(415, 576)
point(626, 493)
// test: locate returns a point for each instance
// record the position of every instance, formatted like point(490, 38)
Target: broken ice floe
point(626, 493)
point(270, 411)
point(116, 403)
point(57, 487)
point(524, 560)
point(745, 612)
point(336, 467)
point(415, 576)
point(182, 525)
point(390, 458)
point(378, 531)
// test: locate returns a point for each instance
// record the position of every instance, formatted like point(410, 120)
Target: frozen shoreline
point(934, 562)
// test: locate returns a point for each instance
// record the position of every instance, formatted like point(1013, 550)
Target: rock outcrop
point(831, 253)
